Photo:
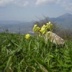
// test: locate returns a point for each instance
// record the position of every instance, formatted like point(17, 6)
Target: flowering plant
point(41, 30)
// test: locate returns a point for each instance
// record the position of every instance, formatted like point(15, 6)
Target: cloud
point(66, 4)
point(21, 2)
point(25, 3)
point(4, 2)
point(38, 2)
point(17, 2)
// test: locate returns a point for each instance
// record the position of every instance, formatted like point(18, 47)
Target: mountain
point(15, 26)
point(64, 21)
point(65, 16)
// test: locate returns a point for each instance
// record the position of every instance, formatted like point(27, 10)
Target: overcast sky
point(28, 10)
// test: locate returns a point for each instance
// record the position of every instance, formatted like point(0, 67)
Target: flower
point(44, 26)
point(36, 28)
point(35, 25)
point(49, 22)
point(27, 36)
point(43, 29)
point(49, 26)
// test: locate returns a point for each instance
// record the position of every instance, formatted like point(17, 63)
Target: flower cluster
point(41, 30)
point(46, 27)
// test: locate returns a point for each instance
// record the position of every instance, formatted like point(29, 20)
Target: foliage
point(34, 55)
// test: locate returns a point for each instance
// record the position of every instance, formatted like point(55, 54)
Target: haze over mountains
point(15, 26)
point(64, 21)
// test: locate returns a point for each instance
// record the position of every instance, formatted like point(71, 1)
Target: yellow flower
point(49, 22)
point(49, 26)
point(27, 36)
point(43, 30)
point(35, 25)
point(44, 26)
point(36, 28)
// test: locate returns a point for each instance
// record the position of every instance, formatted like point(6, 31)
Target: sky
point(29, 10)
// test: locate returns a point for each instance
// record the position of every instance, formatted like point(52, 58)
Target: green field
point(34, 55)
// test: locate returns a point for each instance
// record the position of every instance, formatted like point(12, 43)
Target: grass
point(20, 55)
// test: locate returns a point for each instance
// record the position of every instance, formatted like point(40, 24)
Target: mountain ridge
point(64, 21)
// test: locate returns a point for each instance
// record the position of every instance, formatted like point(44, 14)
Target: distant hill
point(63, 20)
point(9, 22)
point(15, 26)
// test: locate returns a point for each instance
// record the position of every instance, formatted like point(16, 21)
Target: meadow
point(18, 54)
